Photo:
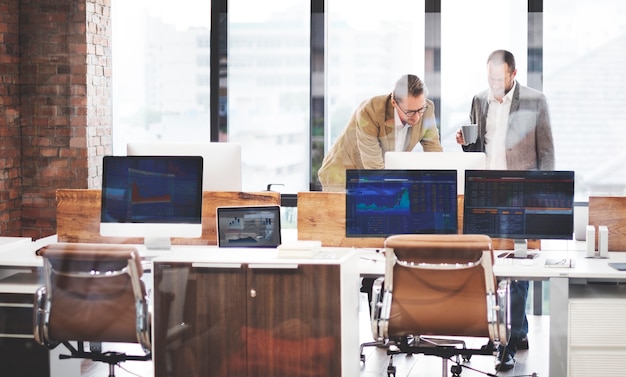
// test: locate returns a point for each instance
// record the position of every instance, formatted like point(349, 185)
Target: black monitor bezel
point(197, 161)
point(505, 176)
point(400, 173)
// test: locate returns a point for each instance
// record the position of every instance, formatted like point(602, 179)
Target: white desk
point(584, 283)
point(289, 286)
point(6, 242)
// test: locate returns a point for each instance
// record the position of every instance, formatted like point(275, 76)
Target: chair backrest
point(93, 292)
point(442, 285)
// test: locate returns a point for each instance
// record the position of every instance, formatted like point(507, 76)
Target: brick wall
point(10, 138)
point(63, 108)
point(99, 104)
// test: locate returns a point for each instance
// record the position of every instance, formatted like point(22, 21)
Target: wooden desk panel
point(609, 211)
point(78, 215)
point(322, 217)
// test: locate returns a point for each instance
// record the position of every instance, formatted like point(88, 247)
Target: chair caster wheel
point(456, 370)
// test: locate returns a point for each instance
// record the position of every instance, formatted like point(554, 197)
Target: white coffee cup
point(470, 133)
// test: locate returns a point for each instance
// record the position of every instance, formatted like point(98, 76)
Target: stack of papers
point(560, 262)
point(302, 249)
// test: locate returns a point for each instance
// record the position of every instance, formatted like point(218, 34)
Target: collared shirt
point(497, 125)
point(401, 131)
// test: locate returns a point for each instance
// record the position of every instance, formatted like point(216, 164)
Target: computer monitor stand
point(157, 243)
point(520, 250)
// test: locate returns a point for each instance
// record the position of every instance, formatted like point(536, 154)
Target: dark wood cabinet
point(285, 318)
point(198, 314)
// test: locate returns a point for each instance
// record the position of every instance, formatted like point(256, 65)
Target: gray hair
point(409, 85)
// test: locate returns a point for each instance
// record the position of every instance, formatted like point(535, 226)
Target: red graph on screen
point(137, 198)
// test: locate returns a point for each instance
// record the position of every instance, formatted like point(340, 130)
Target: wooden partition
point(322, 217)
point(78, 215)
point(609, 211)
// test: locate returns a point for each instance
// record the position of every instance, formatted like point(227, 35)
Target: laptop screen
point(252, 226)
point(380, 203)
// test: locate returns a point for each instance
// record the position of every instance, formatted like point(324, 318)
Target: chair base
point(447, 349)
point(112, 358)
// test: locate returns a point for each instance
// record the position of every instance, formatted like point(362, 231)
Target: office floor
point(534, 360)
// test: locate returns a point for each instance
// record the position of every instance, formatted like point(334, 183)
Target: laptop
point(249, 226)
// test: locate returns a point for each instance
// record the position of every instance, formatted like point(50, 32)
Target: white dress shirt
point(401, 131)
point(497, 125)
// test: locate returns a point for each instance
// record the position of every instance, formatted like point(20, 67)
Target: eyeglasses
point(411, 113)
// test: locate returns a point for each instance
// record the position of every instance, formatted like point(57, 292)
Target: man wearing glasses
point(393, 122)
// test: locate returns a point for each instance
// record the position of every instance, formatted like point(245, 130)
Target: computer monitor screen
point(519, 204)
point(155, 197)
point(380, 203)
point(222, 161)
point(459, 161)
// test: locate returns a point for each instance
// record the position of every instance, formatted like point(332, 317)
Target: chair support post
point(444, 367)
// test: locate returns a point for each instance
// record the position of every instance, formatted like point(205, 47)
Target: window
point(486, 26)
point(290, 79)
point(160, 49)
point(268, 91)
point(584, 80)
point(370, 46)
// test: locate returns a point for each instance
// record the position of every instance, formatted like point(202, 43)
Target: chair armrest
point(41, 319)
point(376, 307)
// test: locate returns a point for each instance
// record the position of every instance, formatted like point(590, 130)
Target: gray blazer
point(529, 143)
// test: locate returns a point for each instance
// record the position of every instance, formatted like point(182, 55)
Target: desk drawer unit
point(249, 320)
point(597, 337)
point(19, 354)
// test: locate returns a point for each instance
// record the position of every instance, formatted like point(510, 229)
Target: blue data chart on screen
point(380, 203)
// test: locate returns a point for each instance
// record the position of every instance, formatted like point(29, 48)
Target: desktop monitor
point(155, 197)
point(222, 161)
point(459, 161)
point(380, 203)
point(519, 205)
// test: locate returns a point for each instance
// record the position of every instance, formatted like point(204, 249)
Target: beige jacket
point(370, 133)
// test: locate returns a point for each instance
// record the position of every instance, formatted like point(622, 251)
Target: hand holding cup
point(469, 133)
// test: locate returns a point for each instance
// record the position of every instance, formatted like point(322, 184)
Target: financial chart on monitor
point(380, 203)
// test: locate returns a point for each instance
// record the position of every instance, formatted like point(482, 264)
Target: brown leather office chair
point(438, 290)
point(92, 293)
